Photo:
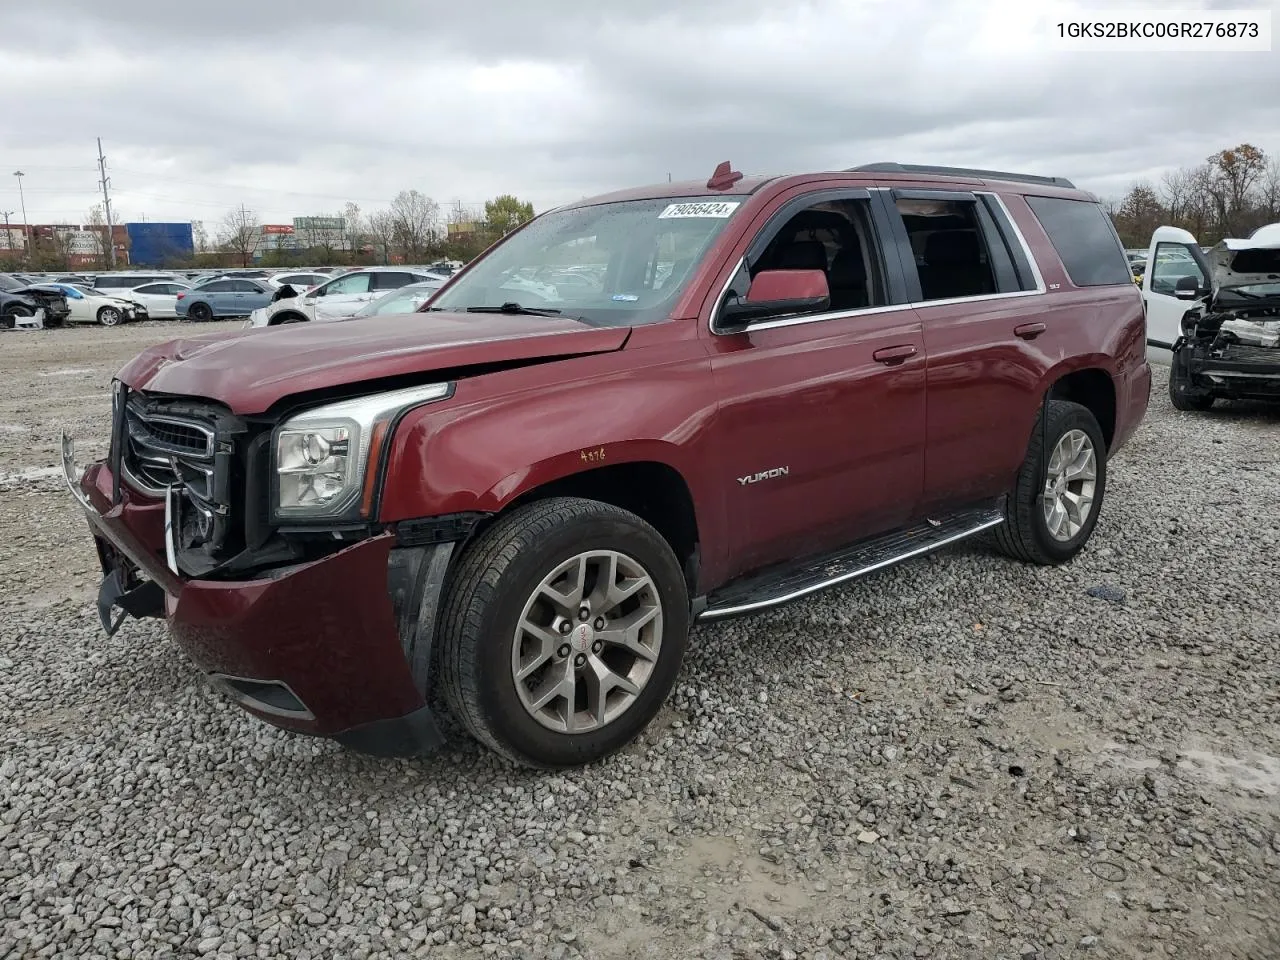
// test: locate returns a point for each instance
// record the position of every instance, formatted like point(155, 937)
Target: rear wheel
point(109, 316)
point(1054, 505)
point(1183, 394)
point(563, 632)
point(200, 313)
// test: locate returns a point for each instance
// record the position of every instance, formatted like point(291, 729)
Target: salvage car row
point(111, 299)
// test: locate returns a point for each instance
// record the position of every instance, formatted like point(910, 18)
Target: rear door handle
point(893, 355)
point(1029, 331)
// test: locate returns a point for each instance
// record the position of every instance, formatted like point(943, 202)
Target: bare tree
point(96, 223)
point(241, 234)
point(1269, 191)
point(1176, 190)
point(353, 222)
point(416, 218)
point(199, 236)
point(383, 232)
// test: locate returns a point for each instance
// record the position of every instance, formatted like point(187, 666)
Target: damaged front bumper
point(337, 647)
point(1231, 371)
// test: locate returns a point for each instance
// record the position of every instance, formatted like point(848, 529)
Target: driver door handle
point(892, 355)
point(1029, 331)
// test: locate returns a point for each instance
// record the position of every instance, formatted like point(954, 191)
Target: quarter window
point(1086, 241)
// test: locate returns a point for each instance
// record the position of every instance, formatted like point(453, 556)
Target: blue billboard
point(156, 244)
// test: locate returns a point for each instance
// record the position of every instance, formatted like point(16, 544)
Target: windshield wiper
point(512, 307)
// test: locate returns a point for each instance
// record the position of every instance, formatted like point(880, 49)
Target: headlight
point(326, 459)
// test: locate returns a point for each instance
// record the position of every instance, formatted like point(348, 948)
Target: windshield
point(611, 264)
point(8, 283)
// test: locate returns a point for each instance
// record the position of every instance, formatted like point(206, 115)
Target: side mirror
point(1187, 288)
point(776, 293)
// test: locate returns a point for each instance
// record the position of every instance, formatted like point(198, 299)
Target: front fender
point(507, 433)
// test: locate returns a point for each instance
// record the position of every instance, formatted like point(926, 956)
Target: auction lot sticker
point(718, 209)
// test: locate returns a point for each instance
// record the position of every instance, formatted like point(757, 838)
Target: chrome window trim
point(1039, 290)
point(1040, 286)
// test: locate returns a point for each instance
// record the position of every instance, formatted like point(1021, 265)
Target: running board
point(782, 585)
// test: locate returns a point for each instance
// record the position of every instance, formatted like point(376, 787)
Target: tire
point(1026, 534)
point(110, 316)
point(280, 318)
point(1183, 395)
point(200, 313)
point(497, 585)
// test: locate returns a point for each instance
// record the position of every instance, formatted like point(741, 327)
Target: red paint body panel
point(250, 373)
point(324, 628)
point(875, 419)
point(847, 428)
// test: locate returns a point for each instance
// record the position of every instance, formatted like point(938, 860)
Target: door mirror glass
point(776, 293)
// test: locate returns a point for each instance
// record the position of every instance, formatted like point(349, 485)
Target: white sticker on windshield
point(718, 209)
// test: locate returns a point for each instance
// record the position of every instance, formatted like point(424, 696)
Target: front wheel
point(563, 632)
point(1055, 502)
point(1183, 394)
point(109, 316)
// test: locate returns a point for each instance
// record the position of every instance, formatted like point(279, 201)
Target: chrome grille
point(162, 450)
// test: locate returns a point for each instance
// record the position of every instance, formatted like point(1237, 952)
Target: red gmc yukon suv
point(668, 405)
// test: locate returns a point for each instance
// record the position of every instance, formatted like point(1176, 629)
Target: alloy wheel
point(587, 641)
point(1069, 485)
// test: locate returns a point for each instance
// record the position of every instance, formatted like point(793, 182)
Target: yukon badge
point(765, 475)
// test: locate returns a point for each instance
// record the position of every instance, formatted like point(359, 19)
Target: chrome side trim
point(715, 613)
point(69, 471)
point(1040, 289)
point(170, 518)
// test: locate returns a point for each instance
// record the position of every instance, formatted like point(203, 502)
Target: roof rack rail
point(963, 172)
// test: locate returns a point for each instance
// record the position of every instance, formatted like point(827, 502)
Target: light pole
point(26, 228)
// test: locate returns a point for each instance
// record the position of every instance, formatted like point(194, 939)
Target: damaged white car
point(1226, 343)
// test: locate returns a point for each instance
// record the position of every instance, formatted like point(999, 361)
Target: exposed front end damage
point(1230, 343)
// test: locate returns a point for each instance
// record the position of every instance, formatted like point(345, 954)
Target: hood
point(251, 369)
point(38, 290)
point(1238, 263)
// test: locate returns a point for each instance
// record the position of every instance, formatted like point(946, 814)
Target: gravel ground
point(962, 757)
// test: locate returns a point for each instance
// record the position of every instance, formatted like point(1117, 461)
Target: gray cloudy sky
point(295, 106)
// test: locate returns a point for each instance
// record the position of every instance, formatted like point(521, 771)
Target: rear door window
point(218, 286)
point(957, 246)
point(1086, 242)
point(391, 280)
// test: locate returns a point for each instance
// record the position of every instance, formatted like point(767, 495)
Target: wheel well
point(1092, 388)
point(652, 491)
point(284, 317)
